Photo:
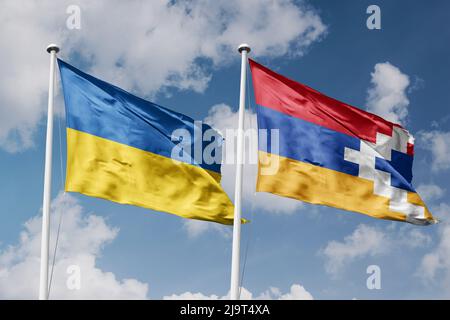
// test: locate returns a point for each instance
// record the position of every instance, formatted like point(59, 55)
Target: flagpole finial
point(244, 47)
point(52, 47)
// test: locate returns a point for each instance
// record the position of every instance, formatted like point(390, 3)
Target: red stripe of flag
point(297, 100)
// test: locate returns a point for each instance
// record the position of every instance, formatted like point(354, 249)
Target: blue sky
point(189, 63)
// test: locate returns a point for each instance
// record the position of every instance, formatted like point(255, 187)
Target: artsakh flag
point(323, 151)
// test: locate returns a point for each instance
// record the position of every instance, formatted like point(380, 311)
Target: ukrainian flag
point(323, 151)
point(123, 148)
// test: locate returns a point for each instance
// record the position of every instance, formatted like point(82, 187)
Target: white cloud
point(191, 296)
point(367, 241)
point(245, 295)
point(435, 265)
point(296, 292)
point(438, 143)
point(144, 46)
point(430, 191)
point(364, 241)
point(81, 241)
point(387, 95)
point(412, 238)
point(25, 31)
point(195, 228)
point(441, 211)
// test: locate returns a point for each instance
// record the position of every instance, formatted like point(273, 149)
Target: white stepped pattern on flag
point(366, 159)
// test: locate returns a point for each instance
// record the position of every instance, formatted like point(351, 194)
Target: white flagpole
point(43, 279)
point(244, 49)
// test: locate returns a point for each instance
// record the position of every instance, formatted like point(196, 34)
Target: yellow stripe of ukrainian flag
point(110, 170)
point(318, 185)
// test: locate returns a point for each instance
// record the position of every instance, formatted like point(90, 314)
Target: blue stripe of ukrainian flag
point(120, 148)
